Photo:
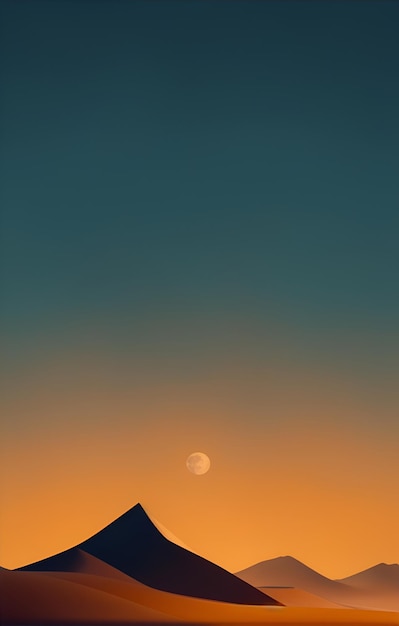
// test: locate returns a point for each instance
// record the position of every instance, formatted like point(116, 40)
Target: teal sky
point(180, 175)
point(199, 251)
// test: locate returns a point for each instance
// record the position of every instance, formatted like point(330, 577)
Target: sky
point(199, 226)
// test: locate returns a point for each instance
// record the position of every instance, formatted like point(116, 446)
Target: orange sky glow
point(292, 471)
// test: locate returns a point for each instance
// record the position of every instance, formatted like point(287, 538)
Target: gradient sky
point(200, 225)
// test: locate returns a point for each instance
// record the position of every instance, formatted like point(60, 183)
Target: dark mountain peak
point(136, 510)
point(131, 530)
point(133, 545)
point(135, 515)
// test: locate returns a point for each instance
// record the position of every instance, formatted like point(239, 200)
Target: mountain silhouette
point(375, 588)
point(133, 545)
point(284, 571)
point(381, 576)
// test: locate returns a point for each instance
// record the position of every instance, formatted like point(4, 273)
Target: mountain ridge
point(133, 545)
point(381, 575)
point(375, 588)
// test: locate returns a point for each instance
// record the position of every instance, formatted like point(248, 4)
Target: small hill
point(376, 588)
point(76, 560)
point(381, 576)
point(285, 571)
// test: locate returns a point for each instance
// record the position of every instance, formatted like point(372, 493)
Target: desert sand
point(33, 598)
point(92, 583)
point(291, 596)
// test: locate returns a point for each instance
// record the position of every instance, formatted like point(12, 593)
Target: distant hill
point(133, 545)
point(381, 576)
point(285, 571)
point(376, 588)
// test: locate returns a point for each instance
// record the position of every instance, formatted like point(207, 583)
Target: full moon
point(198, 463)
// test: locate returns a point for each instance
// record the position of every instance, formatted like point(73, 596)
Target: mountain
point(381, 576)
point(133, 545)
point(376, 588)
point(285, 571)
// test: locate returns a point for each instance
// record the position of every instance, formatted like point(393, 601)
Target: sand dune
point(67, 598)
point(32, 598)
point(359, 591)
point(134, 546)
point(184, 607)
point(79, 561)
point(291, 596)
point(176, 606)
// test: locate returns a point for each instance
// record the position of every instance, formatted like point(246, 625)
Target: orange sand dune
point(195, 610)
point(32, 598)
point(374, 600)
point(89, 564)
point(84, 563)
point(291, 596)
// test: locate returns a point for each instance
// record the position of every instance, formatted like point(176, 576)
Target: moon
point(198, 463)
